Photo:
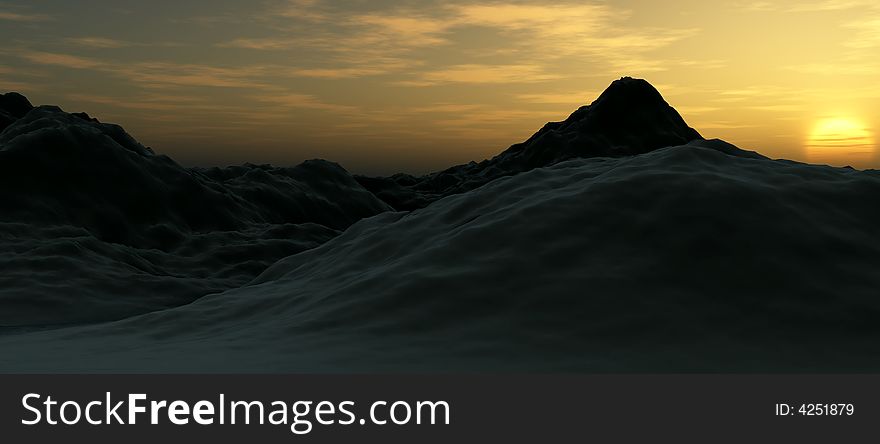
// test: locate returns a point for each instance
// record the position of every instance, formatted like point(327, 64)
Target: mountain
point(13, 106)
point(629, 118)
point(618, 240)
point(60, 168)
point(88, 211)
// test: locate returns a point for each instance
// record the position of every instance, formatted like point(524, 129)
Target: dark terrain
point(616, 240)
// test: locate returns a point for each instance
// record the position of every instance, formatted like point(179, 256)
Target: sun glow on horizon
point(840, 141)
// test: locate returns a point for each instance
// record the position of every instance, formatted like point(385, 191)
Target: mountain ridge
point(91, 194)
point(630, 117)
point(592, 246)
point(95, 226)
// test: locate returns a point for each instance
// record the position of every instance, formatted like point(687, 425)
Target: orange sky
point(397, 85)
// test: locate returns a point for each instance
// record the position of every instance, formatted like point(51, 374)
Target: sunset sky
point(391, 85)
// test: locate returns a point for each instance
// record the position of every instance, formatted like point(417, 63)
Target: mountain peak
point(629, 117)
point(13, 106)
point(634, 115)
point(629, 92)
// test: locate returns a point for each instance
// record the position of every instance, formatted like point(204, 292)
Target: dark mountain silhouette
point(13, 106)
point(629, 118)
point(616, 240)
point(78, 195)
point(59, 168)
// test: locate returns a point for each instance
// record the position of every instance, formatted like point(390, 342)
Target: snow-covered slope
point(685, 258)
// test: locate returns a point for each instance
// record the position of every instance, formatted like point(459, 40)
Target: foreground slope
point(690, 258)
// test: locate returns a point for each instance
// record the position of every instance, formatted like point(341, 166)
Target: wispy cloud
point(405, 31)
point(64, 60)
point(11, 84)
point(261, 43)
point(303, 101)
point(560, 98)
point(357, 68)
point(838, 68)
point(165, 74)
point(756, 6)
point(830, 5)
point(694, 110)
point(300, 9)
point(543, 34)
point(98, 42)
point(494, 74)
point(443, 108)
point(867, 32)
point(19, 17)
point(813, 6)
point(858, 53)
point(148, 102)
point(160, 74)
point(723, 125)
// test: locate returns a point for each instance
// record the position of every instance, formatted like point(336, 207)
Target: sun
point(840, 141)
